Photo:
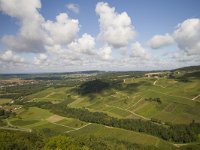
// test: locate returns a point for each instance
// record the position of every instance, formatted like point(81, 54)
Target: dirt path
point(154, 83)
point(8, 122)
point(129, 112)
point(135, 103)
point(178, 96)
point(170, 94)
point(63, 125)
point(75, 129)
point(16, 129)
point(12, 127)
point(179, 145)
point(52, 93)
point(196, 97)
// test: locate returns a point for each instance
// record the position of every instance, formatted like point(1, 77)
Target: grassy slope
point(4, 100)
point(177, 105)
point(37, 118)
point(121, 134)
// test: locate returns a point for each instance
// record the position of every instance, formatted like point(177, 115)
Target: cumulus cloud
point(182, 56)
point(30, 36)
point(159, 41)
point(187, 36)
point(35, 33)
point(55, 44)
point(105, 53)
point(63, 30)
point(139, 52)
point(73, 7)
point(41, 60)
point(115, 29)
point(85, 44)
point(9, 56)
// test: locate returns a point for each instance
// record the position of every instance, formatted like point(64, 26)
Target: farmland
point(65, 107)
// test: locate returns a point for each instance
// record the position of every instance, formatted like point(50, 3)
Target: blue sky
point(150, 35)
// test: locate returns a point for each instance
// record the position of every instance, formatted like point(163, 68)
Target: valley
point(114, 106)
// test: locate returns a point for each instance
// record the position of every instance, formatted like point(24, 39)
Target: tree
point(63, 143)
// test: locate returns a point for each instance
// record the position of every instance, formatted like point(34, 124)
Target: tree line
point(176, 133)
point(40, 139)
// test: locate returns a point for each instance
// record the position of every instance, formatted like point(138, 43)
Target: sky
point(62, 36)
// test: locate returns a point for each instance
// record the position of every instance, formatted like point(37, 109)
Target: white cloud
point(105, 53)
point(56, 49)
point(187, 36)
point(30, 36)
point(85, 44)
point(40, 59)
point(159, 41)
point(9, 56)
point(35, 33)
point(115, 29)
point(20, 9)
point(58, 46)
point(139, 52)
point(64, 30)
point(73, 7)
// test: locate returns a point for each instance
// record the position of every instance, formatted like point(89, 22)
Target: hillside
point(117, 109)
point(188, 69)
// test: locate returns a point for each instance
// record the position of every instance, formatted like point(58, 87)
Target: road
point(134, 103)
point(195, 97)
point(154, 83)
point(129, 112)
point(16, 129)
point(75, 129)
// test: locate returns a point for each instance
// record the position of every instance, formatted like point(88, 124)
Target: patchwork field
point(37, 118)
point(162, 101)
point(122, 135)
point(54, 95)
point(178, 103)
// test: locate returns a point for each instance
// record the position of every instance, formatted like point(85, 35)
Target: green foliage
point(190, 147)
point(97, 143)
point(189, 68)
point(94, 86)
point(17, 140)
point(5, 113)
point(17, 91)
point(63, 143)
point(158, 100)
point(195, 74)
point(118, 89)
point(14, 140)
point(2, 123)
point(156, 120)
point(176, 133)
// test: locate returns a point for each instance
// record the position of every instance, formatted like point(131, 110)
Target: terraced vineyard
point(162, 102)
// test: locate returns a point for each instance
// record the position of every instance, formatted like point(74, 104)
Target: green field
point(177, 105)
point(133, 98)
point(37, 118)
point(4, 100)
point(54, 95)
point(120, 134)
